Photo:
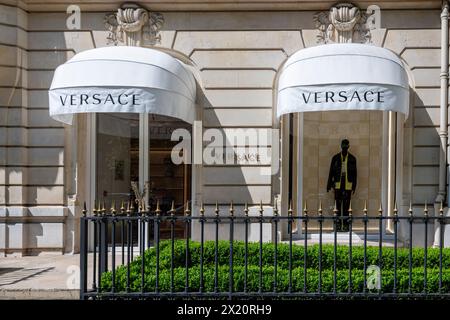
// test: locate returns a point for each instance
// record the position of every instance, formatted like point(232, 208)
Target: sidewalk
point(49, 276)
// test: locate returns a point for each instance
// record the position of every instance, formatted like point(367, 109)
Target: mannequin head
point(345, 144)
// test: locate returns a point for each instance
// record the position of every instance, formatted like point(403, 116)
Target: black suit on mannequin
point(342, 178)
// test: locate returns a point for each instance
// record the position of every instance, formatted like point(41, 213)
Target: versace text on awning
point(97, 99)
point(342, 96)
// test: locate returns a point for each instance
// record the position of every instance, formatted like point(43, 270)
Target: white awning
point(342, 76)
point(123, 79)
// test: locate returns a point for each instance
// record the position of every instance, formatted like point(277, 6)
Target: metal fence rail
point(107, 248)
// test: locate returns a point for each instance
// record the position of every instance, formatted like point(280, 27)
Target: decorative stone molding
point(133, 25)
point(343, 23)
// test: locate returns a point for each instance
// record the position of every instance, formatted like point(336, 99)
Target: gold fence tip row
point(84, 209)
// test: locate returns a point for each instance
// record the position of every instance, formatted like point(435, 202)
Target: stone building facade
point(235, 50)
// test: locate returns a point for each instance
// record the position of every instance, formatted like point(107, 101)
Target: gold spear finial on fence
point(246, 209)
point(216, 209)
point(425, 210)
point(395, 209)
point(84, 211)
point(320, 208)
point(94, 210)
point(103, 207)
point(158, 209)
point(380, 210)
point(365, 208)
point(132, 206)
point(172, 208)
point(231, 209)
point(128, 208)
point(441, 209)
point(122, 207)
point(202, 210)
point(187, 212)
point(275, 209)
point(350, 210)
point(410, 210)
point(290, 209)
point(113, 208)
point(305, 209)
point(261, 210)
point(335, 210)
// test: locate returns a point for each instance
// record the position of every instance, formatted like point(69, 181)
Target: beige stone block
point(237, 117)
point(238, 78)
point(234, 175)
point(426, 136)
point(397, 40)
point(13, 56)
point(239, 59)
point(13, 77)
point(237, 194)
point(424, 193)
point(13, 36)
point(426, 156)
point(38, 99)
point(426, 97)
point(44, 235)
point(254, 20)
point(427, 77)
point(239, 98)
point(13, 155)
point(422, 57)
point(13, 116)
point(16, 175)
point(426, 116)
point(187, 42)
point(46, 156)
point(46, 137)
point(13, 136)
point(40, 79)
point(47, 59)
point(12, 97)
point(41, 118)
point(45, 194)
point(425, 175)
point(60, 40)
point(13, 16)
point(45, 176)
point(14, 195)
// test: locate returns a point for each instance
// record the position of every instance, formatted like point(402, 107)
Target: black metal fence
point(124, 256)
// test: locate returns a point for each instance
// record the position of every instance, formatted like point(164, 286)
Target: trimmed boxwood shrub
point(342, 264)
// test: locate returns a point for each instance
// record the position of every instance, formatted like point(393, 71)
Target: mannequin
point(342, 178)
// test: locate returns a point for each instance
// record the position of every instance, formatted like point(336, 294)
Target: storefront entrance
point(133, 148)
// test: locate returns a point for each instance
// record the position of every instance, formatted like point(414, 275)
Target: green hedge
point(342, 255)
point(268, 279)
point(342, 258)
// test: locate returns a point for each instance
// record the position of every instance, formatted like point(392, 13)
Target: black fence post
point(83, 253)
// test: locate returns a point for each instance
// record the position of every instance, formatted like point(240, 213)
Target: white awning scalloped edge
point(343, 77)
point(123, 79)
